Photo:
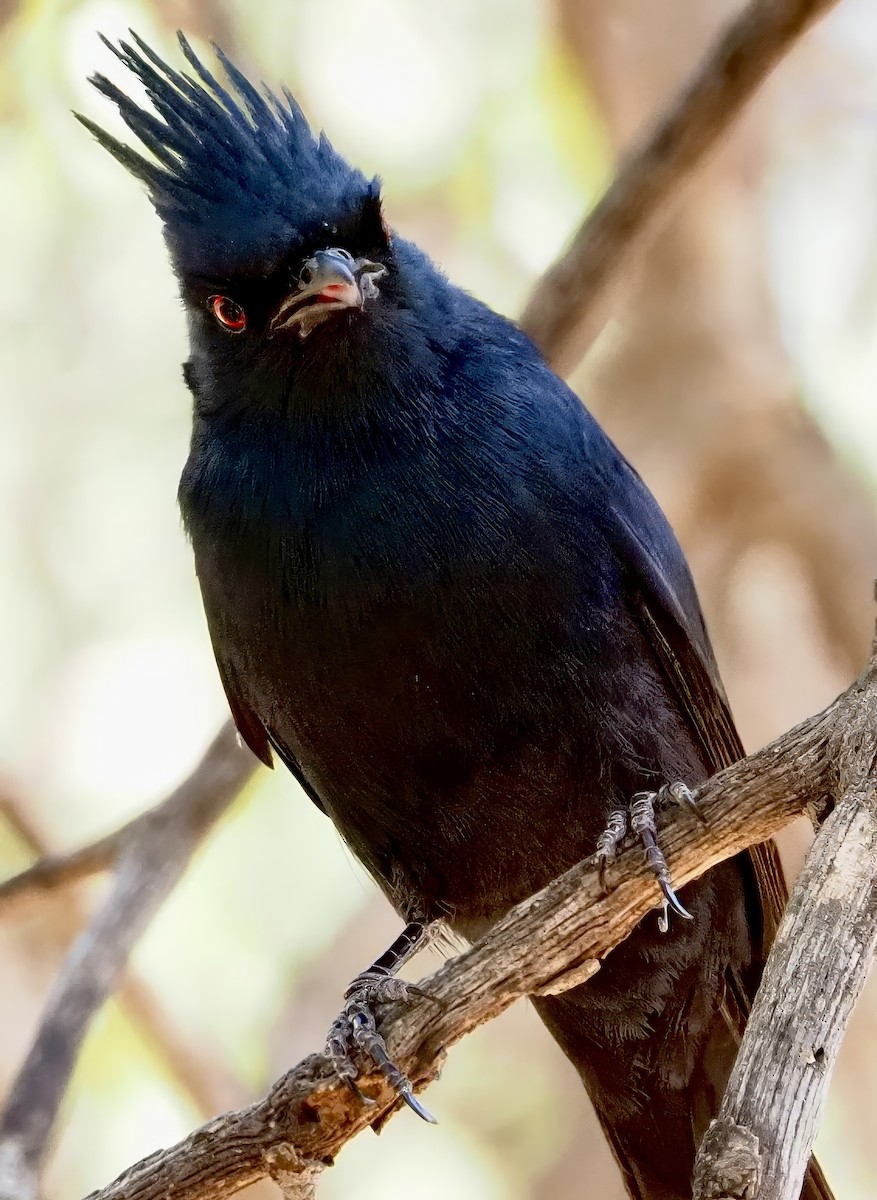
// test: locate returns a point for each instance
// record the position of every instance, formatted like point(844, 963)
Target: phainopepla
point(442, 597)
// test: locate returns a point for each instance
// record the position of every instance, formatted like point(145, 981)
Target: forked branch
point(759, 1145)
point(547, 943)
point(146, 869)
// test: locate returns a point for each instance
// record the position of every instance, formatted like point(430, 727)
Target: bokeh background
point(737, 369)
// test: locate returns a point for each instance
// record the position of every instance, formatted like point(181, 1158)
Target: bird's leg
point(639, 819)
point(354, 1032)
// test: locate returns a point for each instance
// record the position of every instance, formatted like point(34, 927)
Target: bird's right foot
point(354, 1033)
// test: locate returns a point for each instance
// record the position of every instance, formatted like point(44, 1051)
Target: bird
point(441, 596)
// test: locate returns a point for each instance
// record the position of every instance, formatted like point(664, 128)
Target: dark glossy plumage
point(441, 596)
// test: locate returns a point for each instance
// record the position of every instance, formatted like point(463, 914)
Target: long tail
point(655, 1144)
point(655, 1033)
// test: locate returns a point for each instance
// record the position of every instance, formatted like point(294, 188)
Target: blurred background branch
point(699, 337)
point(567, 307)
point(146, 869)
point(189, 811)
point(199, 1069)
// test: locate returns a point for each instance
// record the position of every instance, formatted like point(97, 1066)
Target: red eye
point(228, 313)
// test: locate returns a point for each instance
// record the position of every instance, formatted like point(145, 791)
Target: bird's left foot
point(354, 1032)
point(639, 819)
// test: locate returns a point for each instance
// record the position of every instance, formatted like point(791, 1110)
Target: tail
point(655, 1140)
point(655, 1033)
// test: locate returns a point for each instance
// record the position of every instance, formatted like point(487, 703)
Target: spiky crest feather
point(238, 176)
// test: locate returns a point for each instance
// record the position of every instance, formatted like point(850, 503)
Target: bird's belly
point(467, 725)
point(455, 757)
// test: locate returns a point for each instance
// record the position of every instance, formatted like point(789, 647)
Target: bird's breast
point(420, 639)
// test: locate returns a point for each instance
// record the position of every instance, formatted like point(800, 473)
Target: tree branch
point(197, 1067)
point(192, 803)
point(696, 387)
point(547, 943)
point(567, 307)
point(55, 871)
point(760, 1144)
point(147, 869)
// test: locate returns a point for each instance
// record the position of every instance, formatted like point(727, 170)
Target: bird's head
point(279, 244)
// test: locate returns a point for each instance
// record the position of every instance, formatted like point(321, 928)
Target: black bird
point(441, 596)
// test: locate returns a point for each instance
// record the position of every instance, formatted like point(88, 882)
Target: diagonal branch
point(568, 305)
point(759, 1145)
point(55, 871)
point(146, 870)
point(196, 1067)
point(547, 943)
point(192, 804)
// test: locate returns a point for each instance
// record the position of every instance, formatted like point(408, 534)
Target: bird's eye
point(228, 313)
point(305, 276)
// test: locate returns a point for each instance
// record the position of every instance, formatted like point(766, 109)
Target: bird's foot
point(354, 1034)
point(638, 819)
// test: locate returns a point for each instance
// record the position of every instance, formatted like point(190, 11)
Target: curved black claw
point(673, 901)
point(642, 823)
point(354, 1035)
point(681, 794)
point(639, 819)
point(415, 1105)
point(368, 1101)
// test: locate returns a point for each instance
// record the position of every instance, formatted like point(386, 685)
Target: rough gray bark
point(553, 939)
point(759, 1146)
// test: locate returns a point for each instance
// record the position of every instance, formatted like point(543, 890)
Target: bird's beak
point(329, 282)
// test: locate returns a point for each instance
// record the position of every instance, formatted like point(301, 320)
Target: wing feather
point(668, 611)
point(256, 733)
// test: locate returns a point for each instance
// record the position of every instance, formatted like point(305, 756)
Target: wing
point(255, 733)
point(667, 608)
